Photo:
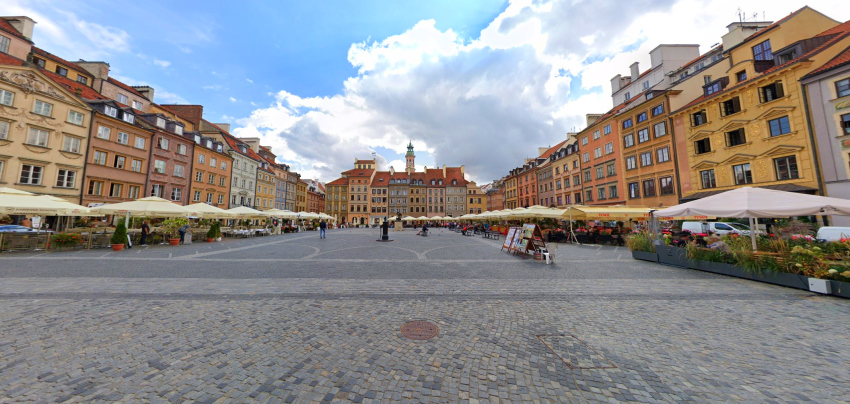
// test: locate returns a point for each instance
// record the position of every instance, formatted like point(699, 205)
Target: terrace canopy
point(210, 212)
point(244, 212)
point(151, 206)
point(16, 202)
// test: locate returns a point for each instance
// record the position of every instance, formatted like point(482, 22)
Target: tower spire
point(409, 158)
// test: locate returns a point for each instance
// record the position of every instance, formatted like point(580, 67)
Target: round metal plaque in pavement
point(419, 330)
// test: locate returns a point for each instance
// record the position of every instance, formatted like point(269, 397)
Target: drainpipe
point(88, 149)
point(810, 128)
point(675, 158)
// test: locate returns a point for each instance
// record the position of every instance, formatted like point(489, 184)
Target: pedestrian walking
point(146, 230)
point(322, 227)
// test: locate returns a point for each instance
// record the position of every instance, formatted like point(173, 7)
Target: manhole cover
point(419, 330)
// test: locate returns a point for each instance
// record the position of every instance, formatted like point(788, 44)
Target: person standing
point(182, 230)
point(146, 230)
point(322, 227)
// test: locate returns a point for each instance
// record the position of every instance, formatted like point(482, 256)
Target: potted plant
point(119, 238)
point(211, 233)
point(172, 226)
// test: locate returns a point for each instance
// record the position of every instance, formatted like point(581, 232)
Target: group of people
point(711, 241)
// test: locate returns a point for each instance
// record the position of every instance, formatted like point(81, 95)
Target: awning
point(780, 187)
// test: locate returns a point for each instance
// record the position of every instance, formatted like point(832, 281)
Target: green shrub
point(640, 242)
point(120, 235)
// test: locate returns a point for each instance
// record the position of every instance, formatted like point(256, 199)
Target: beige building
point(477, 199)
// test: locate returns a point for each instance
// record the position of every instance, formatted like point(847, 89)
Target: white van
point(833, 233)
point(718, 228)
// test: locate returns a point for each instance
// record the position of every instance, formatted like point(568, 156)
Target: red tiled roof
point(86, 92)
point(7, 27)
point(841, 59)
point(435, 174)
point(9, 59)
point(57, 59)
point(838, 33)
point(339, 181)
point(454, 173)
point(551, 150)
point(400, 175)
point(364, 162)
point(126, 87)
point(234, 143)
point(417, 176)
point(381, 175)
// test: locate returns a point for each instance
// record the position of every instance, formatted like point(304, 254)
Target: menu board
point(509, 238)
point(517, 239)
point(528, 231)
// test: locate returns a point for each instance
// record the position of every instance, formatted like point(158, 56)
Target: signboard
point(36, 222)
point(509, 238)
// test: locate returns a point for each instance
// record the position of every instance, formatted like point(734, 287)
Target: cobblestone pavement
point(293, 318)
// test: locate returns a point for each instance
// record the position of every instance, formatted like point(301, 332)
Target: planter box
point(822, 286)
point(839, 288)
point(775, 278)
point(673, 256)
point(645, 256)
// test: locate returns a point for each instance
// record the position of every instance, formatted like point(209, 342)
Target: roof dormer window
point(178, 129)
point(209, 142)
point(198, 139)
point(111, 111)
point(160, 122)
point(440, 182)
point(123, 99)
point(218, 147)
point(129, 118)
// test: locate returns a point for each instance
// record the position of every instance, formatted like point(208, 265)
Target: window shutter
point(736, 104)
point(761, 92)
point(779, 90)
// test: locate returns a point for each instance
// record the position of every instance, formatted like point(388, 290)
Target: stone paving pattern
point(293, 318)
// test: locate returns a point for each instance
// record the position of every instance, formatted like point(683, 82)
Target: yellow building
point(748, 127)
point(266, 179)
point(336, 199)
point(44, 133)
point(511, 191)
point(301, 196)
point(477, 201)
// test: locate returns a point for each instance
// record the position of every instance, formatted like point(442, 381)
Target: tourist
point(715, 243)
point(146, 230)
point(322, 227)
point(684, 239)
point(182, 230)
point(26, 222)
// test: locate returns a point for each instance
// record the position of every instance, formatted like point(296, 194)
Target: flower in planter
point(832, 271)
point(846, 274)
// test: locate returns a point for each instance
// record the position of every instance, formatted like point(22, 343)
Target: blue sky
point(481, 83)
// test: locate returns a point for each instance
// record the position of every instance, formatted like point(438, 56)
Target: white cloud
point(488, 102)
point(250, 81)
point(212, 87)
point(253, 103)
point(232, 99)
point(161, 63)
point(165, 97)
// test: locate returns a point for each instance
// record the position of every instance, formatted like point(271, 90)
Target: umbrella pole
point(753, 233)
point(572, 233)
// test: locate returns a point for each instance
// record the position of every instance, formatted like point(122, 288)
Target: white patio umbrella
point(282, 214)
point(17, 202)
point(244, 212)
point(210, 212)
point(151, 206)
point(308, 215)
point(754, 202)
point(408, 218)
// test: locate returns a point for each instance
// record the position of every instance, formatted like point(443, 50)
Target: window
point(222, 180)
point(197, 196)
point(115, 190)
point(628, 122)
point(707, 179)
point(140, 143)
point(224, 165)
point(43, 108)
point(649, 187)
point(595, 135)
point(607, 129)
point(634, 190)
point(845, 124)
point(631, 163)
point(771, 92)
point(103, 132)
point(641, 117)
point(37, 137)
point(597, 152)
point(779, 126)
point(742, 173)
point(762, 51)
point(99, 158)
point(576, 180)
point(741, 75)
point(4, 45)
point(600, 172)
point(137, 105)
point(658, 110)
point(611, 169)
point(4, 130)
point(211, 180)
point(176, 194)
point(181, 149)
point(133, 192)
point(600, 192)
point(662, 155)
point(199, 176)
point(61, 71)
point(645, 85)
point(587, 177)
point(786, 168)
point(646, 159)
point(666, 185)
point(730, 107)
point(110, 110)
point(583, 143)
point(210, 199)
point(119, 162)
point(712, 88)
point(163, 143)
point(75, 118)
point(71, 144)
point(6, 97)
point(201, 158)
point(178, 171)
point(585, 157)
point(609, 148)
point(643, 135)
point(612, 191)
point(221, 199)
point(160, 122)
point(31, 175)
point(214, 162)
point(123, 99)
point(588, 195)
point(660, 129)
point(159, 166)
point(629, 140)
point(66, 179)
point(699, 118)
point(735, 138)
point(136, 166)
point(128, 117)
point(702, 146)
point(179, 130)
point(628, 95)
point(95, 187)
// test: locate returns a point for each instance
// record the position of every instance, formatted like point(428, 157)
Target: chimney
point(738, 31)
point(192, 113)
point(591, 118)
point(253, 142)
point(146, 91)
point(615, 83)
point(100, 70)
point(224, 126)
point(541, 150)
point(24, 25)
point(635, 71)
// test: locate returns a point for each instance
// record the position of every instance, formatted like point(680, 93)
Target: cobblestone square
point(294, 318)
